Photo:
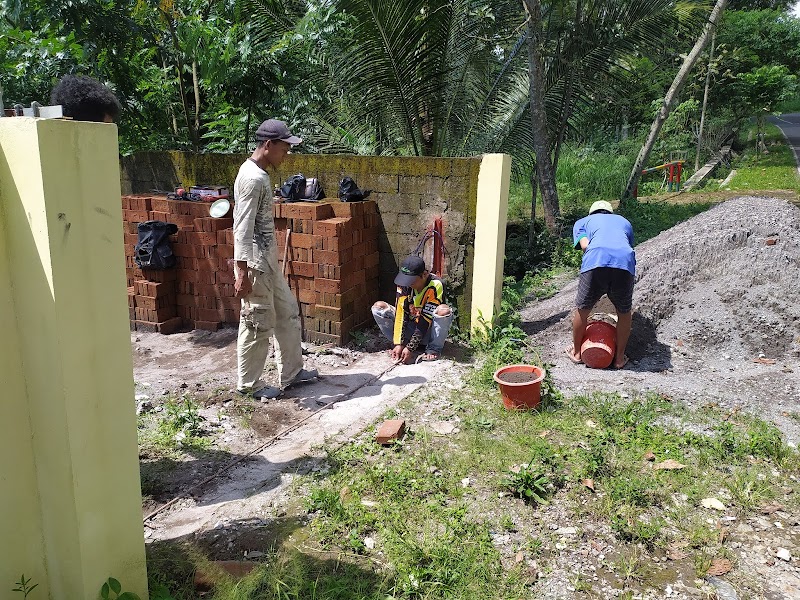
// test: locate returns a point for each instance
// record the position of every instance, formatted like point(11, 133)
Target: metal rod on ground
point(267, 443)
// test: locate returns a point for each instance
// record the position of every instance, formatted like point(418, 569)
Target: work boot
point(303, 376)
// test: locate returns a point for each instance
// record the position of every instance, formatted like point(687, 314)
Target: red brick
point(184, 222)
point(146, 326)
point(155, 275)
point(330, 313)
point(161, 204)
point(186, 275)
point(156, 215)
point(224, 277)
point(170, 325)
point(155, 289)
point(334, 243)
point(206, 277)
point(185, 287)
point(331, 286)
point(390, 430)
point(327, 257)
point(307, 296)
point(136, 216)
point(186, 262)
point(210, 314)
point(187, 312)
point(204, 238)
point(224, 250)
point(301, 240)
point(225, 236)
point(324, 338)
point(126, 203)
point(302, 269)
point(305, 210)
point(229, 303)
point(199, 209)
point(207, 325)
point(153, 303)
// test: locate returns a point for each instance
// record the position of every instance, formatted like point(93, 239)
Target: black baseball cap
point(272, 129)
point(410, 270)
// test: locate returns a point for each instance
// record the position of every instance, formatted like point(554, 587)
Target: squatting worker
point(419, 322)
point(85, 99)
point(608, 267)
point(268, 306)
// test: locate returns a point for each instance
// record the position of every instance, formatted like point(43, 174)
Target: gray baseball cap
point(272, 129)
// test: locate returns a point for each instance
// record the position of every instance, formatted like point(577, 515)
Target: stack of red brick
point(332, 266)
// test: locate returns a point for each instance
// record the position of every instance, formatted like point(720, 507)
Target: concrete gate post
point(491, 214)
point(70, 506)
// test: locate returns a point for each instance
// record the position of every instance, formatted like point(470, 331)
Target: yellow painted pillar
point(70, 508)
point(491, 213)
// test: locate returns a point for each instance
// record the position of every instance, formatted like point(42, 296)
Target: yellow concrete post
point(491, 213)
point(70, 508)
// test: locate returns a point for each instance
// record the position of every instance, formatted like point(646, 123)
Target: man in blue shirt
point(608, 267)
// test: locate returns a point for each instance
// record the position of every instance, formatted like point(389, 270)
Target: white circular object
point(219, 208)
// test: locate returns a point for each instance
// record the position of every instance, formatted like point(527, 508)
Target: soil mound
point(727, 280)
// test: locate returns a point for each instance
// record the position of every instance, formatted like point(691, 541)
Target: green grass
point(433, 534)
point(584, 175)
point(178, 428)
point(775, 170)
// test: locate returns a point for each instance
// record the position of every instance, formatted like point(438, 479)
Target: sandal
point(624, 362)
point(427, 357)
point(568, 352)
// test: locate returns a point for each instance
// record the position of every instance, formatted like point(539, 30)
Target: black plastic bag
point(294, 188)
point(349, 191)
point(153, 249)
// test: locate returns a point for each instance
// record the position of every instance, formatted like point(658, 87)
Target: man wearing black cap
point(268, 306)
point(419, 321)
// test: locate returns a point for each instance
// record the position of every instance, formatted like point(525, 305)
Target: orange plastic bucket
point(520, 386)
point(599, 344)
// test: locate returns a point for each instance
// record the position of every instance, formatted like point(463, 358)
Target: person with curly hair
point(85, 99)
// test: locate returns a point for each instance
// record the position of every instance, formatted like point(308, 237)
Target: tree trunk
point(705, 102)
point(541, 142)
point(196, 86)
point(532, 225)
point(672, 96)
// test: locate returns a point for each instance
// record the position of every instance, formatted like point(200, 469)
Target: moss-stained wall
point(410, 191)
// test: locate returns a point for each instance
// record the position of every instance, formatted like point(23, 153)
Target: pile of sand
point(727, 279)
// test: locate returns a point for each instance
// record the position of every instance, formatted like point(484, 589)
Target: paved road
point(790, 125)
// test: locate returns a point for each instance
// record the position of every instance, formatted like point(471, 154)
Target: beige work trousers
point(269, 311)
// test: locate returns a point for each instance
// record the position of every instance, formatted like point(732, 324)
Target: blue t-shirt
point(610, 242)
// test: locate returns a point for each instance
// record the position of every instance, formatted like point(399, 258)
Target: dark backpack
point(294, 188)
point(153, 250)
point(313, 191)
point(349, 191)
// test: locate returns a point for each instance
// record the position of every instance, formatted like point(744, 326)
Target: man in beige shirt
point(268, 307)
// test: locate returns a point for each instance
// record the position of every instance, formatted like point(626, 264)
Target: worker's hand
point(397, 352)
point(242, 285)
point(406, 356)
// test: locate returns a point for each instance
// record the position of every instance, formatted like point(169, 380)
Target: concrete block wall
point(410, 193)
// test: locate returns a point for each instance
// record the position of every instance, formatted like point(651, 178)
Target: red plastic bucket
point(520, 386)
point(599, 344)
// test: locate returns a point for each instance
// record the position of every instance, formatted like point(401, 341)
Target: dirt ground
point(716, 321)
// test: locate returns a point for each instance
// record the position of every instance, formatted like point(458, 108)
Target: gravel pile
point(716, 316)
point(728, 278)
